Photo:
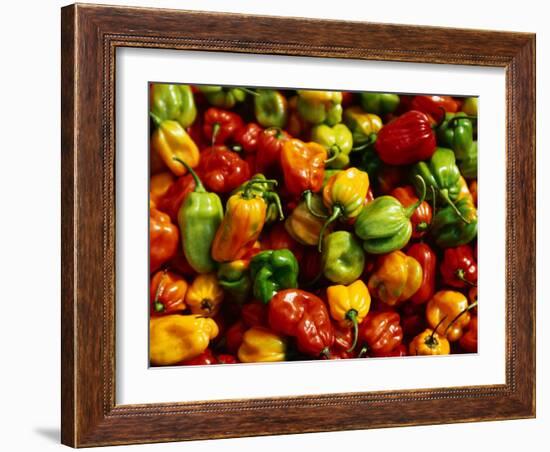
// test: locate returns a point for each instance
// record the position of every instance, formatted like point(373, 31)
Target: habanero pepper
point(429, 343)
point(459, 268)
point(381, 332)
point(163, 239)
point(342, 259)
point(318, 107)
point(172, 200)
point(303, 166)
point(221, 96)
point(447, 313)
point(206, 358)
point(434, 106)
point(205, 295)
point(222, 170)
point(247, 137)
point(158, 187)
point(468, 341)
point(422, 215)
point(448, 229)
point(265, 190)
point(261, 345)
point(224, 358)
point(304, 226)
point(279, 238)
point(270, 145)
point(338, 142)
point(379, 103)
point(167, 293)
point(271, 271)
point(175, 102)
point(427, 259)
point(364, 126)
point(270, 108)
point(456, 132)
point(234, 336)
point(220, 125)
point(234, 279)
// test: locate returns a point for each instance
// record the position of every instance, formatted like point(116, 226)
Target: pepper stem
point(445, 195)
point(325, 353)
point(459, 274)
point(156, 119)
point(430, 340)
point(307, 198)
point(199, 188)
point(371, 140)
point(464, 311)
point(352, 316)
point(157, 305)
point(363, 351)
point(215, 131)
point(458, 118)
point(248, 186)
point(410, 210)
point(249, 91)
point(273, 196)
point(334, 152)
point(336, 213)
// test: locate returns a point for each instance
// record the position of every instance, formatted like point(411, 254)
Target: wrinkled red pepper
point(270, 145)
point(171, 202)
point(278, 238)
point(343, 341)
point(428, 261)
point(205, 358)
point(303, 166)
point(247, 137)
point(435, 106)
point(310, 265)
point(300, 314)
point(413, 319)
point(222, 170)
point(234, 336)
point(400, 350)
point(381, 331)
point(468, 341)
point(254, 314)
point(422, 216)
point(220, 125)
point(459, 267)
point(407, 139)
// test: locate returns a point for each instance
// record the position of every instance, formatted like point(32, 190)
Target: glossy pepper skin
point(349, 305)
point(278, 238)
point(158, 187)
point(318, 107)
point(247, 137)
point(222, 170)
point(175, 102)
point(270, 108)
point(468, 341)
point(303, 226)
point(265, 190)
point(396, 278)
point(219, 125)
point(222, 97)
point(429, 343)
point(234, 279)
point(448, 229)
point(447, 312)
point(343, 259)
point(172, 144)
point(468, 164)
point(260, 345)
point(434, 106)
point(459, 268)
point(303, 166)
point(379, 103)
point(338, 142)
point(270, 145)
point(381, 332)
point(163, 239)
point(175, 338)
point(271, 271)
point(422, 215)
point(304, 316)
point(167, 293)
point(384, 224)
point(205, 295)
point(364, 126)
point(173, 198)
point(427, 259)
point(407, 139)
point(456, 134)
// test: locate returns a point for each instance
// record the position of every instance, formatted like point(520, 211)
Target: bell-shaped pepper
point(175, 338)
point(304, 316)
point(270, 145)
point(303, 166)
point(427, 259)
point(396, 278)
point(379, 103)
point(220, 125)
point(421, 217)
point(468, 341)
point(173, 198)
point(206, 358)
point(242, 224)
point(384, 224)
point(271, 271)
point(381, 332)
point(429, 343)
point(205, 295)
point(158, 187)
point(343, 342)
point(468, 164)
point(457, 133)
point(278, 238)
point(163, 239)
point(175, 102)
point(469, 106)
point(459, 268)
point(434, 106)
point(304, 226)
point(222, 170)
point(234, 279)
point(261, 345)
point(448, 229)
point(270, 108)
point(447, 313)
point(167, 292)
point(199, 218)
point(407, 139)
point(234, 336)
point(247, 138)
point(265, 190)
point(343, 259)
point(173, 145)
point(349, 305)
point(338, 142)
point(221, 96)
point(318, 107)
point(364, 126)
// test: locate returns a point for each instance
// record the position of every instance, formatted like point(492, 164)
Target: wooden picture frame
point(90, 36)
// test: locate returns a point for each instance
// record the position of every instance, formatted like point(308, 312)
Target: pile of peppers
point(291, 225)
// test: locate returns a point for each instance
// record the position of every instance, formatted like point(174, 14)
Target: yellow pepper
point(176, 338)
point(171, 141)
point(429, 343)
point(159, 185)
point(447, 312)
point(464, 190)
point(349, 305)
point(261, 345)
point(396, 278)
point(304, 226)
point(364, 126)
point(205, 295)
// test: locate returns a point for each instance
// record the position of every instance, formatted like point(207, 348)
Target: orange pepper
point(167, 293)
point(447, 313)
point(429, 343)
point(303, 166)
point(163, 239)
point(159, 185)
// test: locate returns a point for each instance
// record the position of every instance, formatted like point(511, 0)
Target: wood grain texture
point(90, 36)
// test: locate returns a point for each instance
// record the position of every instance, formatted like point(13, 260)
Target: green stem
point(248, 186)
point(272, 196)
point(363, 351)
point(249, 91)
point(410, 210)
point(445, 195)
point(459, 274)
point(431, 338)
point(215, 131)
point(352, 316)
point(155, 119)
point(336, 213)
point(325, 353)
point(434, 199)
point(371, 140)
point(334, 152)
point(199, 188)
point(157, 305)
point(472, 306)
point(307, 198)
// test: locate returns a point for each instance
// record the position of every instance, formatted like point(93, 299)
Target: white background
point(30, 270)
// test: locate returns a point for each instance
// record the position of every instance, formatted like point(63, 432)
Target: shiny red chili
point(459, 267)
point(222, 170)
point(428, 261)
point(220, 125)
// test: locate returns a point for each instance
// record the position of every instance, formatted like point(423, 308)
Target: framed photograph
point(269, 232)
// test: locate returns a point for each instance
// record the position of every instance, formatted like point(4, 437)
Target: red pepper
point(413, 319)
point(381, 331)
point(435, 106)
point(428, 261)
point(459, 268)
point(422, 216)
point(303, 166)
point(220, 125)
point(302, 315)
point(400, 350)
point(196, 132)
point(254, 314)
point(171, 202)
point(343, 341)
point(234, 336)
point(278, 238)
point(310, 265)
point(270, 145)
point(468, 341)
point(247, 137)
point(205, 358)
point(226, 359)
point(407, 139)
point(389, 178)
point(222, 170)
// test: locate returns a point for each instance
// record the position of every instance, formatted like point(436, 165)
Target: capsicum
point(247, 137)
point(447, 313)
point(429, 343)
point(319, 107)
point(448, 229)
point(338, 142)
point(271, 271)
point(265, 190)
point(222, 170)
point(304, 226)
point(234, 279)
point(163, 239)
point(223, 97)
point(219, 125)
point(261, 345)
point(427, 259)
point(379, 103)
point(343, 259)
point(459, 268)
point(175, 102)
point(167, 293)
point(434, 106)
point(457, 133)
point(205, 295)
point(303, 166)
point(270, 145)
point(381, 332)
point(270, 108)
point(173, 198)
point(468, 341)
point(422, 215)
point(364, 126)
point(158, 187)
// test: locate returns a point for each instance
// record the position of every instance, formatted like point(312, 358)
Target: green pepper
point(470, 106)
point(318, 107)
point(199, 218)
point(338, 142)
point(456, 133)
point(384, 224)
point(274, 210)
point(369, 162)
point(272, 271)
point(449, 230)
point(343, 259)
point(175, 102)
point(223, 97)
point(379, 103)
point(234, 279)
point(468, 165)
point(270, 108)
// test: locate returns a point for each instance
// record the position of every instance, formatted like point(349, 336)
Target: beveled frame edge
point(90, 36)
